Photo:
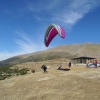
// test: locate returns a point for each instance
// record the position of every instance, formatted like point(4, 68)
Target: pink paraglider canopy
point(51, 32)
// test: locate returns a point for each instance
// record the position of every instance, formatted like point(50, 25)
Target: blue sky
point(23, 24)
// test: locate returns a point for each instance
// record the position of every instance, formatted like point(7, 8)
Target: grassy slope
point(64, 51)
point(77, 84)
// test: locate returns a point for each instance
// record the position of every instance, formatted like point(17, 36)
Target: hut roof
point(83, 57)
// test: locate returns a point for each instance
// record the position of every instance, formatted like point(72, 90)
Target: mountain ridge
point(62, 51)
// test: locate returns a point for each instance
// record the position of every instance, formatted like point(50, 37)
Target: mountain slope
point(63, 51)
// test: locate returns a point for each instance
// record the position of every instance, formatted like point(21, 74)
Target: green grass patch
point(9, 71)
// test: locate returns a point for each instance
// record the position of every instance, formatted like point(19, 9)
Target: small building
point(82, 60)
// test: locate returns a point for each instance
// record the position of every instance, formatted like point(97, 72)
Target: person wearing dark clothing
point(69, 64)
point(44, 68)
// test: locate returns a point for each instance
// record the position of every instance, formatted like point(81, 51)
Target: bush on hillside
point(33, 71)
point(7, 71)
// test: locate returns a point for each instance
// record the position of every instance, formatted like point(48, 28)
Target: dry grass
point(79, 83)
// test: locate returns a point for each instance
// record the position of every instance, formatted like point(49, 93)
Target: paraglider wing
point(51, 32)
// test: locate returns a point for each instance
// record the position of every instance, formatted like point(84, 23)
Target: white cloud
point(24, 45)
point(27, 45)
point(4, 55)
point(71, 17)
point(65, 11)
point(77, 10)
point(39, 5)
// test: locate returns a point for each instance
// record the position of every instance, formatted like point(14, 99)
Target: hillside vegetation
point(63, 51)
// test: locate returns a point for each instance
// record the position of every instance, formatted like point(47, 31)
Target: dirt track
point(79, 83)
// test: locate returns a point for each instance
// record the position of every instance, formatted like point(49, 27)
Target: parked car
point(92, 65)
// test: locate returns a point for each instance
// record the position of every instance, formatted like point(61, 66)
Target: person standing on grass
point(87, 63)
point(69, 64)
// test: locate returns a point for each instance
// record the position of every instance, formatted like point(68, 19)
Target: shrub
point(6, 72)
point(3, 77)
point(33, 71)
point(23, 71)
point(16, 70)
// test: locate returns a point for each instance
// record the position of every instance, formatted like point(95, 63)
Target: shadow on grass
point(64, 69)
